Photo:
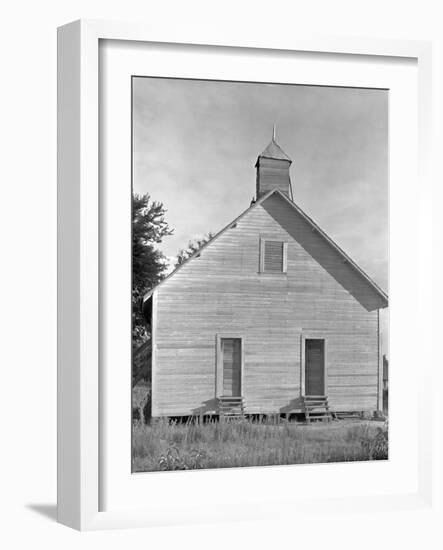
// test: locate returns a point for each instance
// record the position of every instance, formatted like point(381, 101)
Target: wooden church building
point(268, 314)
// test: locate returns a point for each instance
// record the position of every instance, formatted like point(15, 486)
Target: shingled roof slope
point(274, 151)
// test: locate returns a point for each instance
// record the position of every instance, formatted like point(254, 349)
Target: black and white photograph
point(260, 256)
point(223, 255)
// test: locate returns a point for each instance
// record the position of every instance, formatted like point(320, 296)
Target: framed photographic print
point(261, 321)
point(231, 217)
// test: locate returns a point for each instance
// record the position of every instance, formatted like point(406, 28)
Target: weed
point(173, 460)
point(376, 447)
point(171, 445)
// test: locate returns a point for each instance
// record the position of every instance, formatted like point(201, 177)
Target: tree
point(149, 264)
point(193, 247)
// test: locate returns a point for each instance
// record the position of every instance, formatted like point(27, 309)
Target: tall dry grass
point(168, 445)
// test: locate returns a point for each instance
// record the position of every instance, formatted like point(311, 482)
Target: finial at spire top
point(273, 132)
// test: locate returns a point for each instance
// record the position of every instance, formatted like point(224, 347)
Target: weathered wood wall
point(222, 291)
point(272, 174)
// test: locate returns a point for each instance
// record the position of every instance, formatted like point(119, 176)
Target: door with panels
point(314, 366)
point(231, 352)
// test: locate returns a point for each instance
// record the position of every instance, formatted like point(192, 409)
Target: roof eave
point(348, 259)
point(289, 161)
point(216, 236)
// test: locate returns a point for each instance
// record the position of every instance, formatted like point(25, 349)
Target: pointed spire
point(273, 150)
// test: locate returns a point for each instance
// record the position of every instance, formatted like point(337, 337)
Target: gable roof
point(309, 220)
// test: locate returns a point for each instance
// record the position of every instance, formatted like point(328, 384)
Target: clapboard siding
point(273, 174)
point(223, 292)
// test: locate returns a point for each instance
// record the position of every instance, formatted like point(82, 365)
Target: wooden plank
point(155, 395)
point(379, 366)
point(223, 292)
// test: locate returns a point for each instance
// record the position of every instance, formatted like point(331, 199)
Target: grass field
point(168, 445)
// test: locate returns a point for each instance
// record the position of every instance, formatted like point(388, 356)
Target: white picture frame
point(80, 396)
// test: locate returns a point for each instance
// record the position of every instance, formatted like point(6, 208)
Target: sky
point(195, 144)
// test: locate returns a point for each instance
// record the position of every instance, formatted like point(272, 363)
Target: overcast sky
point(196, 143)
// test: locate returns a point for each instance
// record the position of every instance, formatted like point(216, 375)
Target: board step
point(316, 407)
point(347, 414)
point(231, 407)
point(230, 399)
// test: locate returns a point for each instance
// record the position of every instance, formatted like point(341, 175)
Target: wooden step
point(316, 407)
point(230, 397)
point(315, 396)
point(231, 407)
point(230, 400)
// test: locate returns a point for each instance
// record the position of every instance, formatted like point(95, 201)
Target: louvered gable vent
point(274, 256)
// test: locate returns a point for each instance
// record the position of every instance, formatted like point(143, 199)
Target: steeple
point(273, 169)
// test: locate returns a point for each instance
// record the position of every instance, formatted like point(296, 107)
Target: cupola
point(273, 170)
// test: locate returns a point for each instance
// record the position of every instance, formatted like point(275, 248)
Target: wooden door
point(315, 367)
point(231, 360)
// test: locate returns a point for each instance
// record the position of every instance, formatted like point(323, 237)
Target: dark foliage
point(149, 227)
point(193, 247)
